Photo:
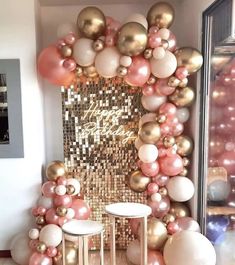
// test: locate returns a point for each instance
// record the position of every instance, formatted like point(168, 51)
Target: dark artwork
point(4, 133)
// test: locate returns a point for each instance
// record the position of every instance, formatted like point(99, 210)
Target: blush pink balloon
point(150, 169)
point(70, 38)
point(148, 90)
point(134, 225)
point(161, 87)
point(161, 180)
point(82, 210)
point(153, 29)
point(155, 258)
point(165, 129)
point(70, 64)
point(168, 109)
point(51, 252)
point(62, 221)
point(64, 200)
point(227, 160)
point(110, 40)
point(40, 259)
point(177, 129)
point(154, 40)
point(152, 188)
point(50, 67)
point(171, 165)
point(34, 211)
point(138, 72)
point(162, 151)
point(181, 72)
point(172, 42)
point(159, 208)
point(42, 210)
point(187, 223)
point(52, 217)
point(33, 243)
point(61, 181)
point(173, 228)
point(48, 189)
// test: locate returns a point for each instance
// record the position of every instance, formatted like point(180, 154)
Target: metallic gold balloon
point(70, 189)
point(190, 58)
point(132, 39)
point(138, 182)
point(168, 141)
point(184, 172)
point(161, 118)
point(184, 145)
point(79, 71)
point(71, 253)
point(186, 162)
point(55, 169)
point(179, 210)
point(91, 22)
point(168, 218)
point(163, 191)
point(152, 80)
point(182, 97)
point(40, 220)
point(156, 234)
point(183, 82)
point(66, 51)
point(98, 45)
point(173, 81)
point(90, 71)
point(61, 211)
point(161, 15)
point(41, 247)
point(150, 132)
point(148, 53)
point(122, 71)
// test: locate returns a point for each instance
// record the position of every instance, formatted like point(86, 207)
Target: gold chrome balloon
point(161, 118)
point(132, 39)
point(173, 81)
point(90, 71)
point(152, 80)
point(122, 71)
point(70, 189)
point(168, 218)
point(179, 210)
point(138, 182)
point(150, 132)
point(61, 211)
point(41, 247)
point(163, 191)
point(66, 51)
point(184, 172)
point(184, 145)
point(79, 71)
point(148, 53)
point(40, 220)
point(168, 141)
point(186, 162)
point(98, 45)
point(91, 22)
point(56, 169)
point(71, 254)
point(190, 58)
point(156, 234)
point(161, 15)
point(182, 97)
point(183, 82)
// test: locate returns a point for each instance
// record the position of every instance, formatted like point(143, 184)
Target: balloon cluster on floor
point(143, 52)
point(59, 203)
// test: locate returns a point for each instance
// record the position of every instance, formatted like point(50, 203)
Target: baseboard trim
point(5, 253)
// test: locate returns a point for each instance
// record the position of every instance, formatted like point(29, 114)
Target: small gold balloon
point(173, 81)
point(156, 234)
point(168, 218)
point(148, 53)
point(163, 191)
point(183, 82)
point(132, 39)
point(168, 141)
point(40, 220)
point(161, 15)
point(186, 162)
point(182, 97)
point(71, 254)
point(190, 58)
point(152, 80)
point(161, 118)
point(138, 182)
point(70, 189)
point(179, 210)
point(98, 45)
point(66, 51)
point(184, 172)
point(184, 145)
point(79, 71)
point(122, 71)
point(90, 71)
point(41, 247)
point(55, 169)
point(61, 211)
point(150, 132)
point(91, 22)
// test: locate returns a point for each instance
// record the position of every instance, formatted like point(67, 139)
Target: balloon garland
point(144, 54)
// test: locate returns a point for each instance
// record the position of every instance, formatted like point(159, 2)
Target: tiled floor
point(94, 257)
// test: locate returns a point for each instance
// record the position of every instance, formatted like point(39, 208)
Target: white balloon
point(218, 190)
point(70, 213)
point(152, 103)
point(139, 18)
point(164, 33)
point(20, 251)
point(156, 197)
point(182, 114)
point(34, 233)
point(164, 67)
point(83, 52)
point(60, 190)
point(189, 248)
point(138, 143)
point(147, 118)
point(148, 153)
point(133, 252)
point(125, 60)
point(51, 235)
point(45, 202)
point(74, 182)
point(159, 53)
point(180, 189)
point(65, 29)
point(107, 62)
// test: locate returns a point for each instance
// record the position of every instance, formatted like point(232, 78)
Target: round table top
point(82, 227)
point(128, 210)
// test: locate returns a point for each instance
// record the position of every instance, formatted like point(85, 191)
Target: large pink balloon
point(161, 208)
point(150, 169)
point(52, 217)
point(155, 258)
point(48, 189)
point(171, 165)
point(227, 160)
point(82, 210)
point(50, 67)
point(40, 259)
point(64, 200)
point(139, 72)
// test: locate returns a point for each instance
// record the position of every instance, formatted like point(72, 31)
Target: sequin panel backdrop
point(100, 121)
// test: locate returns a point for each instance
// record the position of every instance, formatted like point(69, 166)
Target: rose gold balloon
point(52, 217)
point(172, 42)
point(82, 210)
point(50, 67)
point(179, 210)
point(187, 223)
point(163, 88)
point(39, 259)
point(161, 208)
point(150, 132)
point(171, 165)
point(150, 169)
point(64, 200)
point(172, 228)
point(155, 258)
point(138, 182)
point(48, 189)
point(161, 180)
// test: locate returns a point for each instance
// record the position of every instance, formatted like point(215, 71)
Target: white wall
point(20, 178)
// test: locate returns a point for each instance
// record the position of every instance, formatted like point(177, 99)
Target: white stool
point(128, 210)
point(83, 229)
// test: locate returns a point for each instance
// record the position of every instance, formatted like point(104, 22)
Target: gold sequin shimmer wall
point(100, 122)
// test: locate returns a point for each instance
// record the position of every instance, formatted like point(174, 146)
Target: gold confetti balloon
point(138, 182)
point(55, 170)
